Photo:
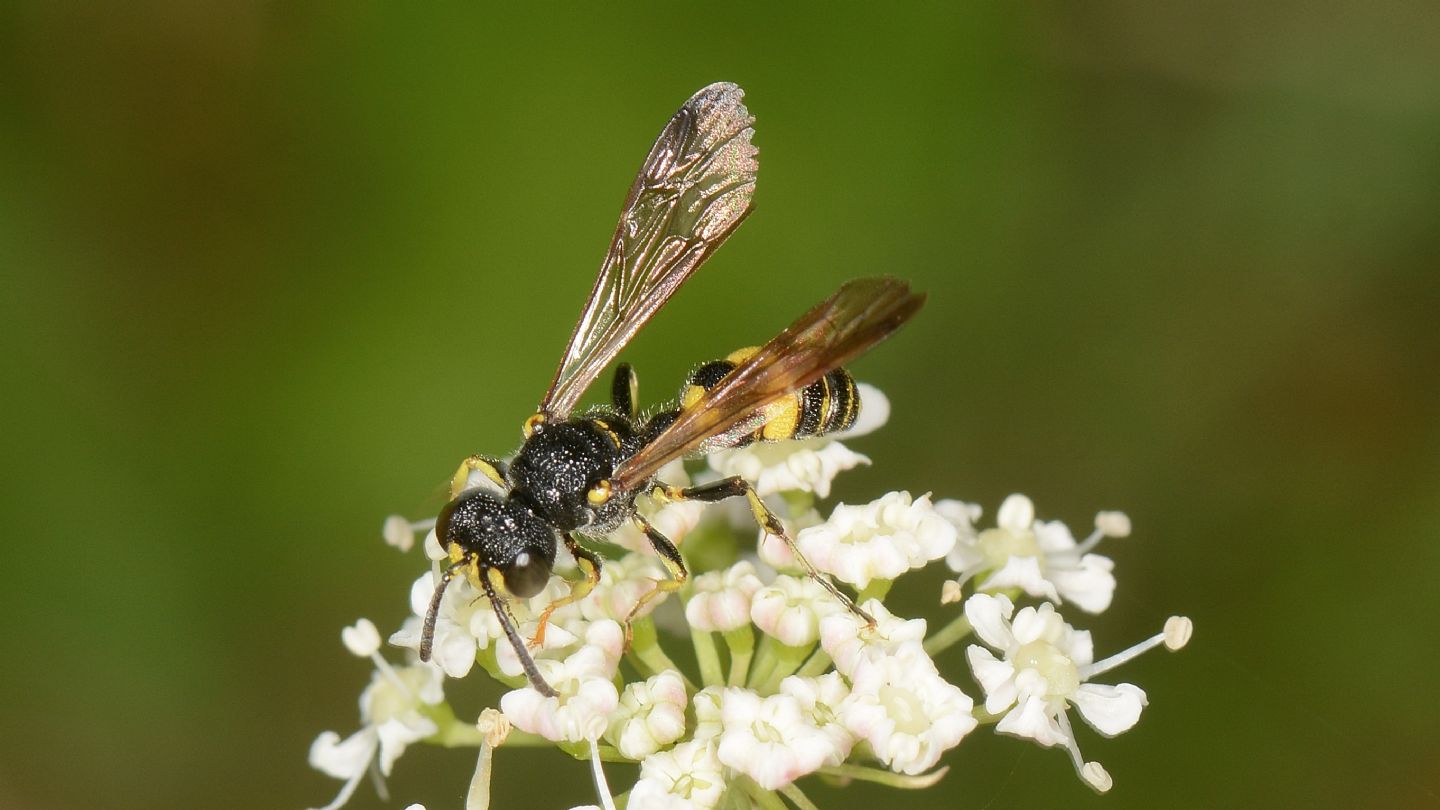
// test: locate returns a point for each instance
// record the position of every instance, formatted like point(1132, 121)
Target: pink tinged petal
point(1023, 573)
point(1032, 719)
point(666, 723)
point(530, 711)
point(772, 767)
point(1016, 514)
point(865, 718)
point(1110, 710)
point(1090, 586)
point(989, 615)
point(587, 713)
point(796, 627)
point(344, 759)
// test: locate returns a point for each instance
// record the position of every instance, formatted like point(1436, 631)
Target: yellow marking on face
point(456, 552)
point(497, 579)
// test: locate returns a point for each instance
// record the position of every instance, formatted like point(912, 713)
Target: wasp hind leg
point(589, 565)
point(670, 556)
point(492, 468)
point(624, 391)
point(736, 486)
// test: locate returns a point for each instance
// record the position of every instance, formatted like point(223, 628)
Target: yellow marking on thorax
point(608, 431)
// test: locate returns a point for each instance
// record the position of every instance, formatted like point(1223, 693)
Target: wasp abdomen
point(828, 405)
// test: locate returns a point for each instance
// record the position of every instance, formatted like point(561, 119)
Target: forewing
point(837, 330)
point(692, 191)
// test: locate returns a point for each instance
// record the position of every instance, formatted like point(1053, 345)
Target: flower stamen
point(1175, 636)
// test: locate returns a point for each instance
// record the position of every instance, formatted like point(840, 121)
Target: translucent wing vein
point(692, 191)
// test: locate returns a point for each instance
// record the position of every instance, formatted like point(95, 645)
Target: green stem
point(766, 799)
point(985, 718)
point(455, 733)
point(645, 650)
point(742, 647)
point(877, 589)
point(764, 660)
point(798, 798)
point(787, 660)
point(899, 780)
point(942, 639)
point(815, 666)
point(708, 657)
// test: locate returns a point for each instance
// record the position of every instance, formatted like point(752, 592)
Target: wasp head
point(501, 535)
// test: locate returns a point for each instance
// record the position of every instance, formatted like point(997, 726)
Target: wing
point(837, 330)
point(692, 191)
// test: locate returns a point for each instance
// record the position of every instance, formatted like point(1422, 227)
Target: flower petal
point(344, 759)
point(989, 615)
point(1089, 586)
point(1032, 719)
point(1023, 573)
point(1110, 710)
point(1016, 514)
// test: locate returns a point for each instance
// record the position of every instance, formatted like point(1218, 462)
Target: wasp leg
point(493, 468)
point(670, 556)
point(735, 486)
point(590, 566)
point(625, 390)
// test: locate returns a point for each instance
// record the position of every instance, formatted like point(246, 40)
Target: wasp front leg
point(589, 565)
point(492, 468)
point(736, 486)
point(670, 556)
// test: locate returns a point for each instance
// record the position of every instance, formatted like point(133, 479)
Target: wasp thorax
point(559, 468)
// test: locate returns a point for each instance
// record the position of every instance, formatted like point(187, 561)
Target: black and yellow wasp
point(579, 473)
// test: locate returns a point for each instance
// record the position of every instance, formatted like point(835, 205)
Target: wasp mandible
point(579, 474)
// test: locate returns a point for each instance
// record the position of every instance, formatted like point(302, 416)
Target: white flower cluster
point(787, 681)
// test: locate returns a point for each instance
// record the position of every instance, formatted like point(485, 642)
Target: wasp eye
point(527, 575)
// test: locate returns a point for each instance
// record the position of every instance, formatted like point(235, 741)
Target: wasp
point(579, 473)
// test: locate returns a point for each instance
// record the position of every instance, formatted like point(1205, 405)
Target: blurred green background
point(269, 270)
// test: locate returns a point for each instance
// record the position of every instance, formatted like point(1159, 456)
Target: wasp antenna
point(523, 654)
point(427, 635)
